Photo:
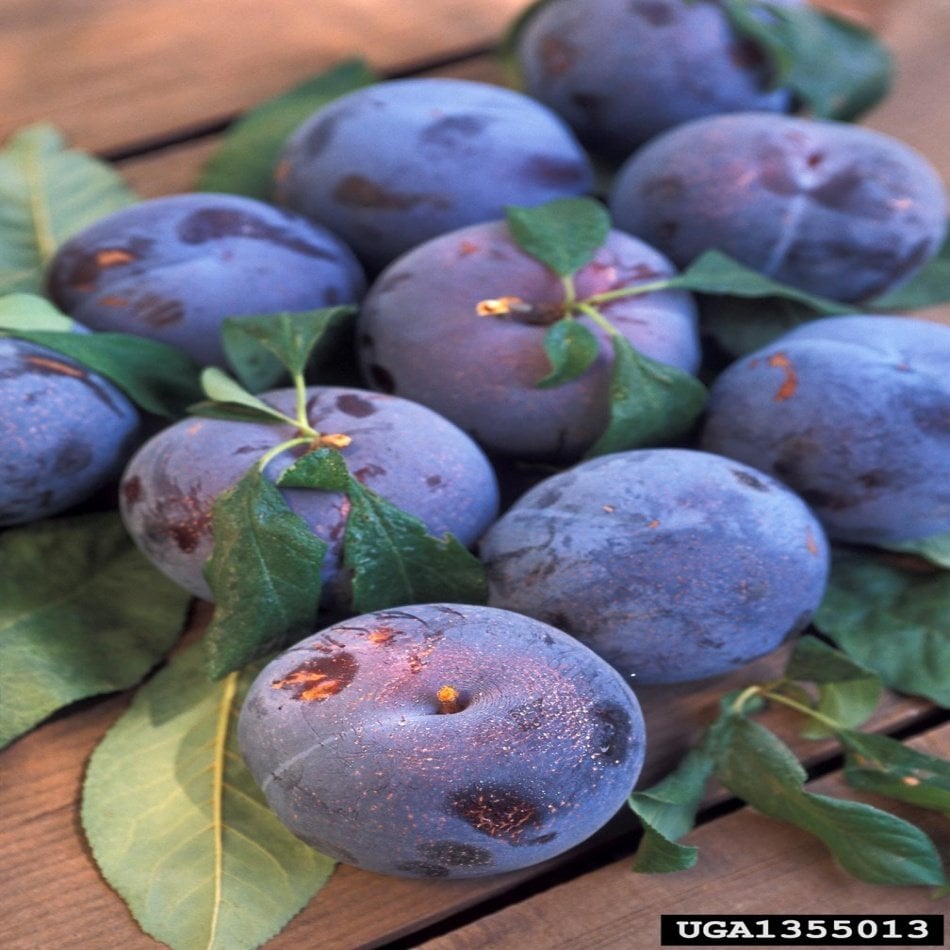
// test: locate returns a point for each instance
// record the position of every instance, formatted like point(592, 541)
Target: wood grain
point(749, 864)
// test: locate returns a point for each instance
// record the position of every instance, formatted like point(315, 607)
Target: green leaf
point(246, 161)
point(228, 399)
point(29, 312)
point(264, 572)
point(935, 548)
point(894, 621)
point(931, 286)
point(868, 843)
point(157, 377)
point(740, 325)
point(667, 811)
point(884, 765)
point(263, 348)
point(571, 348)
point(838, 69)
point(178, 826)
point(81, 613)
point(650, 403)
point(563, 234)
point(815, 661)
point(47, 194)
point(509, 43)
point(716, 273)
point(393, 557)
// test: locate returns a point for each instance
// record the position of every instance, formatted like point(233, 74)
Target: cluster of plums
point(449, 740)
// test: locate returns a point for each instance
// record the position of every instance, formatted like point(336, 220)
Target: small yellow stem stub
point(449, 699)
point(335, 440)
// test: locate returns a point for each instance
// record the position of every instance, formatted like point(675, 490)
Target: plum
point(442, 740)
point(853, 413)
point(831, 208)
point(66, 431)
point(392, 165)
point(403, 451)
point(622, 71)
point(672, 564)
point(173, 268)
point(422, 333)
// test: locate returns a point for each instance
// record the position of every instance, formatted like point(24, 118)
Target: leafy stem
point(772, 692)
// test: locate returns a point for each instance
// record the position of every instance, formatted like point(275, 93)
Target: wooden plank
point(43, 851)
point(749, 864)
point(110, 73)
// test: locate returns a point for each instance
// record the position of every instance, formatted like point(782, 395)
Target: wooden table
point(151, 86)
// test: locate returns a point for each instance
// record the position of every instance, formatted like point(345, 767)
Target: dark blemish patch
point(321, 133)
point(553, 171)
point(666, 230)
point(556, 55)
point(876, 478)
point(496, 810)
point(663, 188)
point(748, 55)
point(847, 192)
point(392, 281)
point(317, 680)
point(528, 716)
point(933, 420)
point(549, 497)
point(451, 131)
point(358, 191)
point(612, 729)
point(252, 449)
point(370, 470)
point(382, 378)
point(541, 839)
point(455, 854)
point(157, 311)
point(214, 224)
point(344, 509)
point(71, 458)
point(434, 481)
point(749, 480)
point(655, 12)
point(132, 491)
point(421, 869)
point(83, 269)
point(814, 159)
point(187, 534)
point(355, 405)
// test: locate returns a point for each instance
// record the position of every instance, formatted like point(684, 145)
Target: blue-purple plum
point(392, 165)
point(854, 414)
point(404, 452)
point(622, 71)
point(442, 741)
point(174, 268)
point(831, 208)
point(672, 564)
point(66, 432)
point(423, 334)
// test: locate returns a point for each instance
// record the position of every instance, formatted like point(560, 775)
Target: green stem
point(570, 293)
point(300, 385)
point(270, 455)
point(744, 697)
point(805, 710)
point(585, 307)
point(609, 295)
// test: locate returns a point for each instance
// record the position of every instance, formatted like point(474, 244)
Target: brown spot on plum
point(187, 535)
point(529, 715)
point(553, 171)
point(381, 635)
point(749, 480)
point(655, 12)
point(612, 729)
point(498, 811)
point(361, 192)
point(811, 542)
point(158, 312)
point(790, 383)
point(455, 854)
point(370, 470)
point(556, 54)
point(451, 131)
point(49, 365)
point(132, 491)
point(82, 270)
point(214, 224)
point(72, 457)
point(876, 478)
point(111, 300)
point(434, 481)
point(382, 379)
point(319, 679)
point(355, 405)
point(467, 248)
point(814, 159)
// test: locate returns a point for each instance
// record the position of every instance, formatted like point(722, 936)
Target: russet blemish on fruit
point(790, 383)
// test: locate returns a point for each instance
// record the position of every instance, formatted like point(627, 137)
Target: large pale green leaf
point(19, 311)
point(892, 620)
point(562, 234)
point(47, 193)
point(178, 826)
point(81, 613)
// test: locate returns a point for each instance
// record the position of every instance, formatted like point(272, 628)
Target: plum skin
point(577, 56)
point(173, 268)
point(403, 451)
point(358, 754)
point(454, 152)
point(835, 209)
point(420, 335)
point(66, 431)
point(851, 412)
point(672, 564)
